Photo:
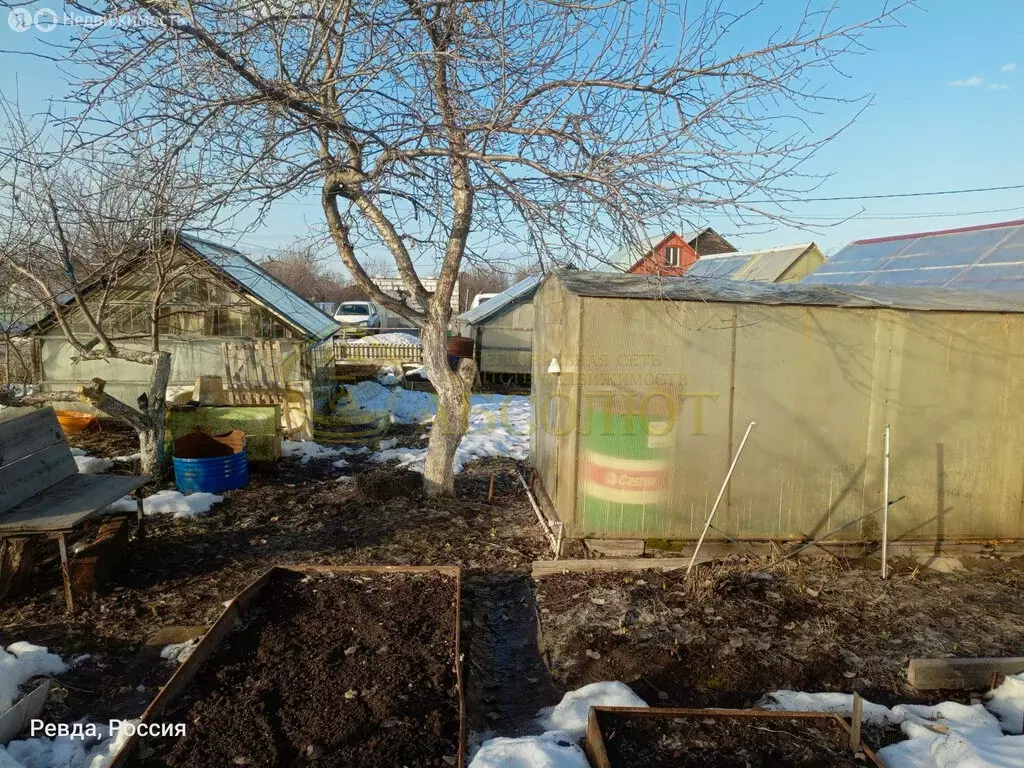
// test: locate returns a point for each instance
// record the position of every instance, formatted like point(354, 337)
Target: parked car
point(357, 316)
point(480, 298)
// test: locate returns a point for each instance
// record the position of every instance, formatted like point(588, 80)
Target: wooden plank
point(228, 382)
point(957, 674)
point(617, 547)
point(855, 722)
point(27, 477)
point(68, 504)
point(542, 568)
point(29, 434)
point(597, 752)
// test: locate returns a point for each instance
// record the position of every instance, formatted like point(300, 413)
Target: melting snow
point(499, 425)
point(840, 703)
point(64, 752)
point(20, 663)
point(946, 735)
point(92, 465)
point(176, 653)
point(570, 714)
point(1007, 703)
point(307, 450)
point(405, 405)
point(553, 749)
point(389, 339)
point(170, 503)
point(564, 726)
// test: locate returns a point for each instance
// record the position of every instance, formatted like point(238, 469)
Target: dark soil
point(735, 632)
point(327, 669)
point(725, 742)
point(385, 483)
point(185, 569)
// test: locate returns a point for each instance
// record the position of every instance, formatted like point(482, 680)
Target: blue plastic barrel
point(213, 475)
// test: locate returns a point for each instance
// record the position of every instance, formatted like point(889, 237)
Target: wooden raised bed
point(234, 616)
point(748, 726)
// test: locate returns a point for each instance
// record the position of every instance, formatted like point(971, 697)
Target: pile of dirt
point(725, 742)
point(327, 669)
point(733, 633)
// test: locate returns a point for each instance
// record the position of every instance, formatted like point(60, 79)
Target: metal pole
point(885, 506)
point(721, 493)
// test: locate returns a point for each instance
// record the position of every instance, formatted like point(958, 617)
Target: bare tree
point(442, 129)
point(303, 270)
point(71, 229)
point(479, 280)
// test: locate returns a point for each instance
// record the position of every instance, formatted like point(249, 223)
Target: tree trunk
point(151, 437)
point(452, 412)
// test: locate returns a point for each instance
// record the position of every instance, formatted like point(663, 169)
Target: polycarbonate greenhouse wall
point(633, 436)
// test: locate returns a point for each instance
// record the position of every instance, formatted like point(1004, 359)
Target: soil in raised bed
point(725, 742)
point(326, 670)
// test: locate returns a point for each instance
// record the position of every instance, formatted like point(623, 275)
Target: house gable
point(670, 257)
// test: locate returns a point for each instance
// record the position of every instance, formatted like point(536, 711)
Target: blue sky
point(948, 113)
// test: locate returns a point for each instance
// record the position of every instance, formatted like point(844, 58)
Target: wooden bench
point(41, 492)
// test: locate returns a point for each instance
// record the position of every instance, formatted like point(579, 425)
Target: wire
point(891, 195)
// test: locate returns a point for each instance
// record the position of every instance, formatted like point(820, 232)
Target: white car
point(358, 315)
point(480, 298)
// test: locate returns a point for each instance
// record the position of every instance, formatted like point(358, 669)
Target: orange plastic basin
point(74, 421)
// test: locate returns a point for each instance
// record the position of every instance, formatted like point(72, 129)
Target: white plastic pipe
point(721, 493)
point(885, 507)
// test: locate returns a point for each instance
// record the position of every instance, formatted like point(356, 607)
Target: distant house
point(989, 257)
point(221, 315)
point(670, 254)
point(786, 264)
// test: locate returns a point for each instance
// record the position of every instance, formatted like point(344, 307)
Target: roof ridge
point(957, 230)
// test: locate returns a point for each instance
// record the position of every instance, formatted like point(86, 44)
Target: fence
point(379, 353)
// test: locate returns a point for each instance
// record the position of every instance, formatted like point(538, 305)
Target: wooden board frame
point(961, 674)
point(236, 609)
point(598, 754)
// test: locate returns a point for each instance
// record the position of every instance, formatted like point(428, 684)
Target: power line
point(889, 196)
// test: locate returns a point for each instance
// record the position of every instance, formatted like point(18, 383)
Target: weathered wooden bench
point(41, 492)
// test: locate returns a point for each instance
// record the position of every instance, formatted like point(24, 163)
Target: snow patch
point(840, 703)
point(570, 714)
point(65, 752)
point(1007, 703)
point(20, 663)
point(499, 425)
point(170, 503)
point(404, 405)
point(307, 450)
point(389, 339)
point(554, 749)
point(177, 653)
point(946, 735)
point(92, 465)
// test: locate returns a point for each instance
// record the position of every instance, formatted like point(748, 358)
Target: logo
point(19, 19)
point(46, 20)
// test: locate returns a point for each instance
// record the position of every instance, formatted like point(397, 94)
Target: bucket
point(459, 346)
point(213, 475)
point(210, 463)
point(74, 421)
point(627, 471)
